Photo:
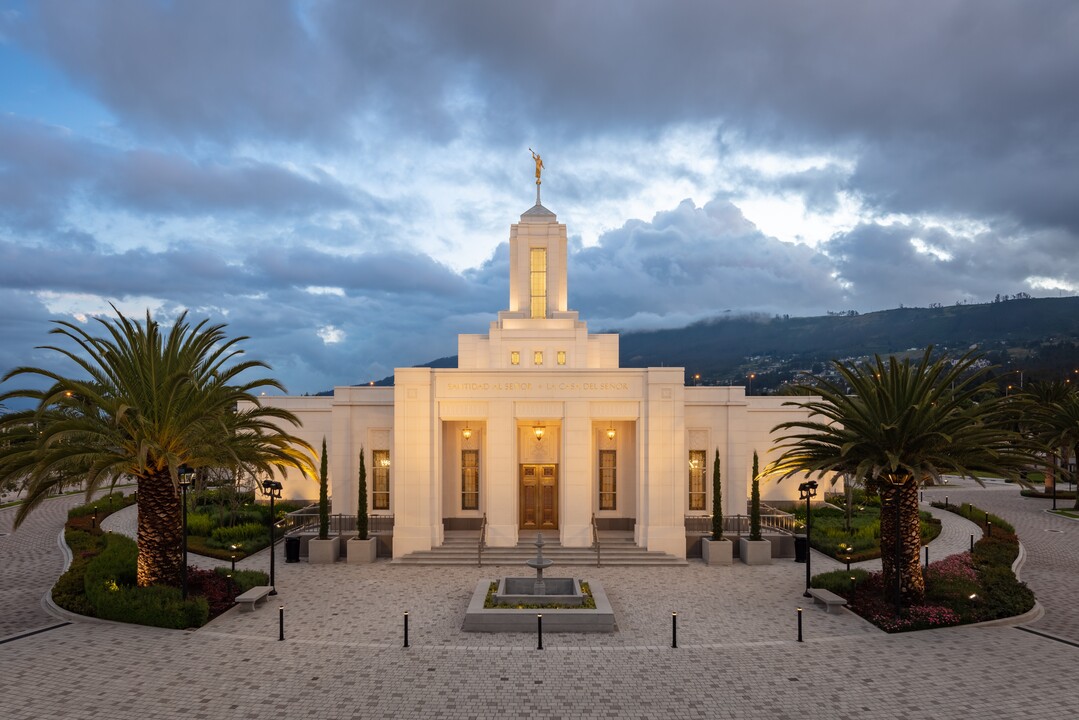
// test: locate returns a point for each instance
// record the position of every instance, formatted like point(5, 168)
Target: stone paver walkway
point(30, 562)
point(738, 657)
point(1051, 542)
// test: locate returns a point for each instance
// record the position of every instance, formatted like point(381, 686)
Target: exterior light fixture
point(467, 433)
point(538, 429)
point(610, 432)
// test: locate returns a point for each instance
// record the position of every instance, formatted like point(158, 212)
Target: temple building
point(538, 428)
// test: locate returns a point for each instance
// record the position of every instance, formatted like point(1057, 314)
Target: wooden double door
point(539, 497)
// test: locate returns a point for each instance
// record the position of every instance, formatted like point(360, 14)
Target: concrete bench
point(248, 600)
point(832, 602)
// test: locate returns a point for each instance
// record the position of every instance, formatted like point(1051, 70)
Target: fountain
point(516, 590)
point(561, 599)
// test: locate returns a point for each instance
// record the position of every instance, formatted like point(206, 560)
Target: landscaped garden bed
point(965, 588)
point(224, 522)
point(829, 533)
point(101, 581)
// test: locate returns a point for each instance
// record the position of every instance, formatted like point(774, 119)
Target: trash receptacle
point(292, 548)
point(800, 546)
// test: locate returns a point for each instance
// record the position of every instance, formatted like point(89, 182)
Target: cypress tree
point(323, 498)
point(361, 510)
point(755, 502)
point(717, 500)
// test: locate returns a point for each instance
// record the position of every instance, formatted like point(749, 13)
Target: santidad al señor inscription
point(545, 387)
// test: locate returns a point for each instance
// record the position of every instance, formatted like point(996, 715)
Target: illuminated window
point(537, 357)
point(608, 483)
point(515, 357)
point(561, 357)
point(538, 272)
point(697, 493)
point(380, 488)
point(470, 479)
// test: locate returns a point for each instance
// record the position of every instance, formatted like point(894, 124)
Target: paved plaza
point(737, 655)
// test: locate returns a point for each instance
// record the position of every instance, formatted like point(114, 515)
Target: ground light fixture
point(186, 476)
point(272, 489)
point(807, 491)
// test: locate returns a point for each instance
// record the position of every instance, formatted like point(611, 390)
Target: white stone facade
point(616, 442)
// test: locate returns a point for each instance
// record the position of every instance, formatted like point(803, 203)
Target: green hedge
point(110, 585)
point(105, 505)
point(239, 533)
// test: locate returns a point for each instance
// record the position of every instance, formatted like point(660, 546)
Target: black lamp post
point(187, 475)
point(272, 490)
point(806, 491)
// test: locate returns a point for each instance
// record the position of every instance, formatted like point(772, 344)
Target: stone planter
point(755, 552)
point(361, 552)
point(717, 552)
point(323, 552)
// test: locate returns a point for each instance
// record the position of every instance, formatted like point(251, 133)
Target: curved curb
point(1050, 513)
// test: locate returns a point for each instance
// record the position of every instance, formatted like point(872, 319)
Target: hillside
point(1037, 335)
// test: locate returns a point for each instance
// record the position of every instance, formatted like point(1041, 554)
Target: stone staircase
point(616, 549)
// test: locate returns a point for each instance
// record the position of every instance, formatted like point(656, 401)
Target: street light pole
point(806, 491)
point(272, 490)
point(186, 475)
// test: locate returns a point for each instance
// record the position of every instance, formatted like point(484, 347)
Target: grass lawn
point(1067, 513)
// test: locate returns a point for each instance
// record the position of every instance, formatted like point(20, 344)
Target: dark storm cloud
point(155, 182)
point(44, 169)
point(960, 107)
point(881, 265)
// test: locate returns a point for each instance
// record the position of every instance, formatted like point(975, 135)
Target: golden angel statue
point(539, 164)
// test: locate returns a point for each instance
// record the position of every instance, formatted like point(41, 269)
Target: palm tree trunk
point(901, 542)
point(888, 533)
point(912, 581)
point(159, 532)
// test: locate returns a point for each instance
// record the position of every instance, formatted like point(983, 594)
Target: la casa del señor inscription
point(538, 387)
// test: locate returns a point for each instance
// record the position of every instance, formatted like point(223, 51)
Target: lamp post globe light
point(272, 490)
point(187, 476)
point(806, 491)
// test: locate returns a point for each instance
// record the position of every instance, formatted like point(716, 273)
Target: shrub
point(839, 581)
point(997, 549)
point(109, 585)
point(200, 523)
point(245, 579)
point(239, 533)
point(105, 505)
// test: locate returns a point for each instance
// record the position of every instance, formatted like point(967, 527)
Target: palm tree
point(901, 424)
point(1059, 423)
point(1047, 415)
point(150, 401)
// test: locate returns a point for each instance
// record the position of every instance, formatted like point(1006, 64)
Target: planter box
point(361, 552)
point(717, 552)
point(755, 552)
point(323, 552)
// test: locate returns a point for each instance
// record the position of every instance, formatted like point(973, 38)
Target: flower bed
point(960, 589)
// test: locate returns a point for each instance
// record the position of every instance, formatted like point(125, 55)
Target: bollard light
point(406, 628)
point(988, 528)
point(799, 624)
point(674, 630)
point(972, 543)
point(281, 622)
point(539, 631)
point(927, 557)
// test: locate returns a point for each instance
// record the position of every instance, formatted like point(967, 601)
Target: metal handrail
point(482, 541)
point(595, 539)
point(307, 518)
point(739, 524)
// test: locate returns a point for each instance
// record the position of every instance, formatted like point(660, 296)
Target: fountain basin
point(559, 620)
point(558, 591)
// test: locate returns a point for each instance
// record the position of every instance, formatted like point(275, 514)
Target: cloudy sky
point(337, 179)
